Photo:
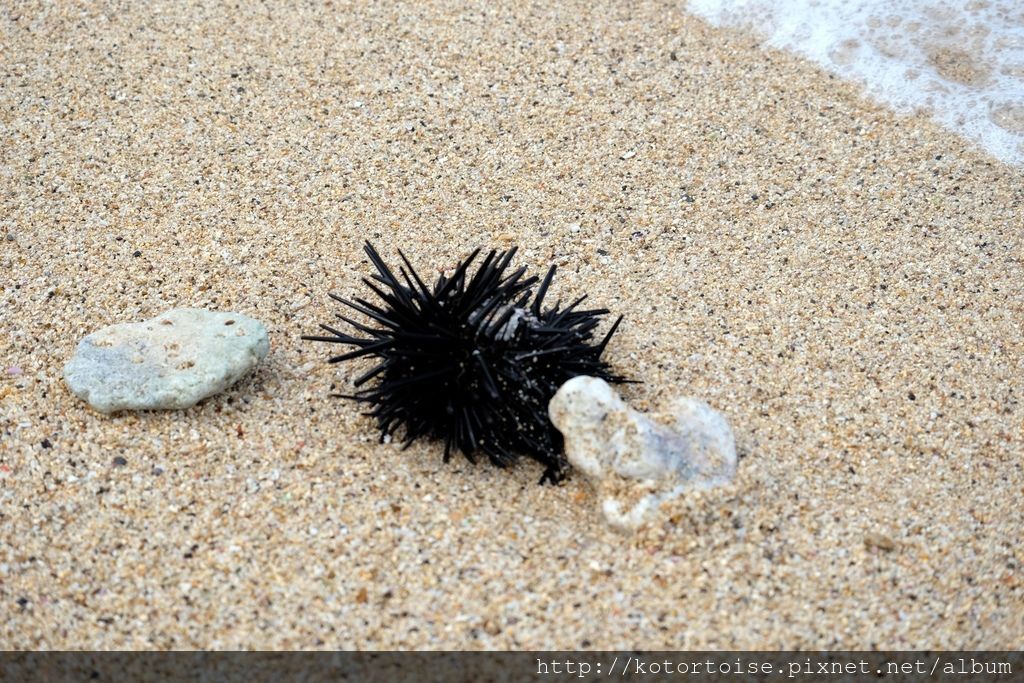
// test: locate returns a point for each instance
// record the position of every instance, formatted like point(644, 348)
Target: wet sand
point(845, 285)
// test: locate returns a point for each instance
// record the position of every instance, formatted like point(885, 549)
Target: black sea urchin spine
point(472, 361)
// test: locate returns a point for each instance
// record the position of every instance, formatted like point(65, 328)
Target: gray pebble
point(172, 361)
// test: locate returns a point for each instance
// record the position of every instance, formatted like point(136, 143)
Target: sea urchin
point(472, 361)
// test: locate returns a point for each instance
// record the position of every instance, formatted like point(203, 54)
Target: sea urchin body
point(472, 361)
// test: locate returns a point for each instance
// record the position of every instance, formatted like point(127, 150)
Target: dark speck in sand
point(120, 461)
point(22, 603)
point(602, 252)
point(137, 253)
point(45, 443)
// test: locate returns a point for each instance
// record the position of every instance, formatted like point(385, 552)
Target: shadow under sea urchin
point(472, 361)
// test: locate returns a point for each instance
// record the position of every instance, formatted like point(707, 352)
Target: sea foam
point(961, 62)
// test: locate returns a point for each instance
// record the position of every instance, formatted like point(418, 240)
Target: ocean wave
point(960, 62)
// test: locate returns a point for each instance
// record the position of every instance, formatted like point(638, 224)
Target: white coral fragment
point(635, 463)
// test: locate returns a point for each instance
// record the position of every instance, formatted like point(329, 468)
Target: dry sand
point(844, 284)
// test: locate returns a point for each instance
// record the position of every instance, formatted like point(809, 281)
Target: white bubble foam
point(961, 62)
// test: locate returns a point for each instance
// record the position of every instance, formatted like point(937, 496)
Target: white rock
point(634, 463)
point(172, 361)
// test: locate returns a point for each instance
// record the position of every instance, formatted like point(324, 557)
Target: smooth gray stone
point(172, 361)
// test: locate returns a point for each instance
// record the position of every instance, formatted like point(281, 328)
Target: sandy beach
point(844, 284)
